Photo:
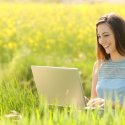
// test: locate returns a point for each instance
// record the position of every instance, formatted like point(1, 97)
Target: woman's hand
point(97, 102)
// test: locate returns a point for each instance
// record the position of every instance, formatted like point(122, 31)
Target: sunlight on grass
point(56, 35)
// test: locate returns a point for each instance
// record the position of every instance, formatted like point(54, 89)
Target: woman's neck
point(117, 57)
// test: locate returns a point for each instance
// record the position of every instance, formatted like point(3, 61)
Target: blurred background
point(50, 32)
point(67, 1)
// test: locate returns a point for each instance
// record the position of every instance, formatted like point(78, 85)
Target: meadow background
point(47, 34)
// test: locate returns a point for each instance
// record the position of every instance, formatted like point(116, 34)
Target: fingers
point(97, 102)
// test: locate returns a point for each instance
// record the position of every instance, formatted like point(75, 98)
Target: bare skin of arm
point(94, 80)
point(94, 100)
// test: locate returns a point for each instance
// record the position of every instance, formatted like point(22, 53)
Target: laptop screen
point(59, 85)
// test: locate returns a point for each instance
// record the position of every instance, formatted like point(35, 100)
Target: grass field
point(55, 35)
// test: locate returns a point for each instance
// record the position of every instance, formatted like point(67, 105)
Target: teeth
point(106, 46)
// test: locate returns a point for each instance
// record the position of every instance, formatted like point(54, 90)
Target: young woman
point(108, 79)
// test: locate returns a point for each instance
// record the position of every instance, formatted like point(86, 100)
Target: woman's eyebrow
point(102, 33)
point(105, 32)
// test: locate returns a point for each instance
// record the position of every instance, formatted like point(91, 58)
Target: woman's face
point(106, 38)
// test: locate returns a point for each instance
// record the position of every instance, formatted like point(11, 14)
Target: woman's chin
point(107, 51)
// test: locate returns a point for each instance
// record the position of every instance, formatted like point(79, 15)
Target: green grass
point(56, 35)
point(24, 99)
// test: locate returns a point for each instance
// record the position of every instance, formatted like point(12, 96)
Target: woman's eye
point(106, 35)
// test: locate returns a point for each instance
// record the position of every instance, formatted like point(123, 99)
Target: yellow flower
point(1, 43)
point(12, 45)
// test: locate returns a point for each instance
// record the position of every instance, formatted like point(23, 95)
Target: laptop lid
point(59, 85)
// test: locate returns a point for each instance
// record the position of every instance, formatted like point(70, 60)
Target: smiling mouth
point(106, 46)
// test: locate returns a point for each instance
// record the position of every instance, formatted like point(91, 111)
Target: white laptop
point(59, 86)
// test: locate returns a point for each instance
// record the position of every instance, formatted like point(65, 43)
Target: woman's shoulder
point(97, 66)
point(98, 63)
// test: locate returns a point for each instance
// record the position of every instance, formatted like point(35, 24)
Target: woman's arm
point(94, 80)
point(94, 101)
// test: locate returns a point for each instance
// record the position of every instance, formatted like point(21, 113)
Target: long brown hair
point(117, 25)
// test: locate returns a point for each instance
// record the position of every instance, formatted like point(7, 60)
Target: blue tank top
point(111, 81)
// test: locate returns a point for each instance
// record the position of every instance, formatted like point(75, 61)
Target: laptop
point(60, 86)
